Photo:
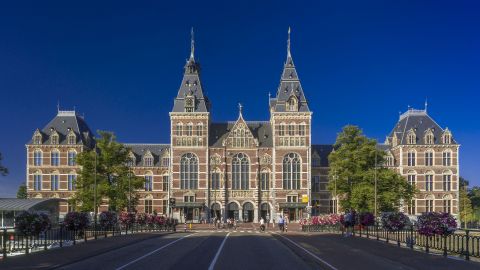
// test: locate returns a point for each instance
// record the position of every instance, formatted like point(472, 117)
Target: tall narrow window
point(291, 129)
point(179, 129)
point(37, 181)
point(240, 172)
point(37, 138)
point(411, 158)
point(148, 160)
point(265, 180)
point(429, 205)
point(199, 129)
point(447, 206)
point(164, 206)
point(301, 129)
point(189, 171)
point(148, 182)
point(412, 179)
point(54, 182)
point(429, 182)
point(37, 158)
point(55, 158)
point(72, 155)
point(281, 129)
point(447, 158)
point(148, 206)
point(54, 138)
point(447, 182)
point(72, 139)
point(215, 185)
point(165, 181)
point(411, 208)
point(429, 158)
point(72, 179)
point(429, 138)
point(292, 104)
point(447, 137)
point(333, 206)
point(189, 131)
point(291, 171)
point(411, 138)
point(316, 183)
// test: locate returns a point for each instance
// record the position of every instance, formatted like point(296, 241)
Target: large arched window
point(412, 178)
point(291, 171)
point(37, 157)
point(37, 180)
point(447, 158)
point(265, 180)
point(215, 179)
point(411, 158)
point(240, 171)
point(72, 155)
point(292, 104)
point(55, 158)
point(189, 171)
point(429, 157)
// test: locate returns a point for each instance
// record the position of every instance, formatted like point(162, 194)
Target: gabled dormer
point(292, 104)
point(132, 160)
point(37, 137)
point(411, 137)
point(447, 136)
point(240, 136)
point(71, 137)
point(54, 137)
point(148, 159)
point(429, 137)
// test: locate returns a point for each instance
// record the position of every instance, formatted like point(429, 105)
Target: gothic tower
point(189, 121)
point(290, 119)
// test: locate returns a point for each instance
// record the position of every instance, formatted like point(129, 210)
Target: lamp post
point(375, 175)
point(95, 210)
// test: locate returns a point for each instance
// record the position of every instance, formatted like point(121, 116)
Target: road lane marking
point(307, 251)
point(212, 264)
point(150, 253)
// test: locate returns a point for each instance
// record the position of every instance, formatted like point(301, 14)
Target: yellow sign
point(304, 198)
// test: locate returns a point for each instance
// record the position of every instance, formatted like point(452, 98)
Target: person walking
point(262, 225)
point(281, 223)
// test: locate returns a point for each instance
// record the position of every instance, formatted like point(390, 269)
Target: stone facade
point(244, 169)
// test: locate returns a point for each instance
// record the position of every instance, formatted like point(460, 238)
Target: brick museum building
point(242, 168)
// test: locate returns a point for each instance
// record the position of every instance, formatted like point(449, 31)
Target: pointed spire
point(288, 43)
point(192, 45)
point(240, 109)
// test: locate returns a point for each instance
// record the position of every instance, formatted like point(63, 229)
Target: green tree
point(22, 192)
point(3, 170)
point(116, 183)
point(466, 210)
point(352, 174)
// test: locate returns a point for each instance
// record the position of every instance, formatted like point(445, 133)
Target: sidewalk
point(57, 257)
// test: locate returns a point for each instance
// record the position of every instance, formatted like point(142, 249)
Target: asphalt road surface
point(247, 249)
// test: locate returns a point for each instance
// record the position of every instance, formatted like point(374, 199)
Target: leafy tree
point(22, 192)
point(113, 177)
point(352, 174)
point(3, 170)
point(466, 211)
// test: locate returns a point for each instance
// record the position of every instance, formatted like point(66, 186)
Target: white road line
point(150, 253)
point(310, 253)
point(212, 264)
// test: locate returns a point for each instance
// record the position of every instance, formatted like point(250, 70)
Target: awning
point(292, 205)
point(189, 204)
point(10, 204)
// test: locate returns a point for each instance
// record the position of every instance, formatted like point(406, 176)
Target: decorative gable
point(240, 136)
point(37, 137)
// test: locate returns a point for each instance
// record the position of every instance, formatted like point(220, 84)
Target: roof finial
point(192, 44)
point(426, 104)
point(240, 108)
point(58, 106)
point(288, 43)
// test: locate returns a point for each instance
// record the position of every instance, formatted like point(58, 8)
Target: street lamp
point(95, 210)
point(375, 175)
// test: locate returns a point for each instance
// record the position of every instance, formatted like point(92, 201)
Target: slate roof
point(261, 130)
point(420, 122)
point(140, 149)
point(322, 150)
point(63, 123)
point(192, 85)
point(11, 204)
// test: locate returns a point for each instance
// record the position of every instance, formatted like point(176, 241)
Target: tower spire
point(288, 43)
point(192, 45)
point(426, 104)
point(240, 109)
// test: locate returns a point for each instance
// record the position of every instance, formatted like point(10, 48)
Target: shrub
point(434, 223)
point(108, 219)
point(367, 219)
point(142, 218)
point(394, 221)
point(76, 221)
point(126, 218)
point(32, 223)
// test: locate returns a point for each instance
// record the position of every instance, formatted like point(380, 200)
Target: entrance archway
point(265, 211)
point(232, 210)
point(215, 211)
point(248, 212)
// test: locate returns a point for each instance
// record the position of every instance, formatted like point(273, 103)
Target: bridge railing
point(465, 243)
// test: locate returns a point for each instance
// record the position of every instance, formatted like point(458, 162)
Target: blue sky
point(121, 64)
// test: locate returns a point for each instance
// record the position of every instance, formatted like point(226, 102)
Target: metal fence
point(15, 243)
point(461, 243)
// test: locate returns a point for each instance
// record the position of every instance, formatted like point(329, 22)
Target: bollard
point(26, 245)
point(45, 240)
point(61, 236)
point(467, 251)
point(445, 246)
point(412, 242)
point(185, 226)
point(427, 250)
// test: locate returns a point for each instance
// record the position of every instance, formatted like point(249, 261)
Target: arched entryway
point(248, 212)
point(265, 211)
point(215, 211)
point(232, 210)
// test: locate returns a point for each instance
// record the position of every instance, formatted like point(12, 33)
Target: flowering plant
point(76, 221)
point(331, 219)
point(367, 219)
point(108, 219)
point(394, 221)
point(31, 223)
point(142, 218)
point(434, 223)
point(159, 220)
point(126, 218)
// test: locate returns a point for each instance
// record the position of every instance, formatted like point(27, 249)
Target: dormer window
point(37, 138)
point(72, 138)
point(292, 104)
point(389, 161)
point(429, 138)
point(189, 104)
point(411, 137)
point(148, 160)
point(447, 137)
point(131, 160)
point(54, 138)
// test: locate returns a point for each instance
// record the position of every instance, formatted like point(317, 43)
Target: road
point(242, 249)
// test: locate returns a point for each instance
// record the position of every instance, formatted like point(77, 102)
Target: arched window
point(292, 104)
point(55, 158)
point(189, 171)
point(240, 172)
point(215, 180)
point(37, 138)
point(389, 160)
point(412, 178)
point(411, 158)
point(54, 138)
point(447, 180)
point(429, 138)
point(72, 139)
point(429, 177)
point(301, 129)
point(148, 160)
point(281, 129)
point(37, 180)
point(54, 180)
point(291, 129)
point(411, 137)
point(148, 182)
point(37, 157)
point(447, 158)
point(447, 137)
point(291, 171)
point(199, 129)
point(265, 180)
point(429, 157)
point(72, 179)
point(179, 129)
point(447, 204)
point(189, 131)
point(429, 203)
point(72, 155)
